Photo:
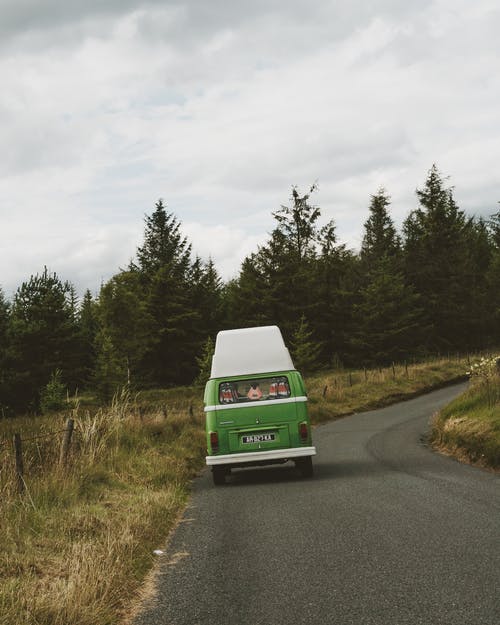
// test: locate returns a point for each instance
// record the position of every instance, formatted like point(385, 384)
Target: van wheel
point(305, 466)
point(219, 476)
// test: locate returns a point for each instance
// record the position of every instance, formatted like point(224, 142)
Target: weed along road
point(386, 532)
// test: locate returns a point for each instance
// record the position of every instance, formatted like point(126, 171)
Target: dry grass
point(338, 393)
point(469, 427)
point(78, 544)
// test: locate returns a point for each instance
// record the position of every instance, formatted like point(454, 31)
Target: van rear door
point(257, 427)
point(258, 424)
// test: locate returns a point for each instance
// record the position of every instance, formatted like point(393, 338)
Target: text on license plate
point(259, 438)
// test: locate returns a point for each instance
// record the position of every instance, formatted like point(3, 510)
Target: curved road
point(386, 533)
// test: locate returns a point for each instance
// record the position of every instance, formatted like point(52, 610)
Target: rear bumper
point(262, 456)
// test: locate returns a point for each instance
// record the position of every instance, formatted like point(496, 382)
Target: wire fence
point(81, 440)
point(20, 461)
point(52, 434)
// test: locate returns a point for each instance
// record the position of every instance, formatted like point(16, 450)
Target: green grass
point(77, 546)
point(469, 427)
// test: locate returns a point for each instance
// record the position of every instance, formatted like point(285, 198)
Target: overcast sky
point(219, 107)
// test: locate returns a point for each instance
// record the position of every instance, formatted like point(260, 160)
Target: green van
point(255, 404)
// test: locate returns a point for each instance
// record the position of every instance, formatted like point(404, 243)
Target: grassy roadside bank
point(336, 394)
point(78, 543)
point(469, 428)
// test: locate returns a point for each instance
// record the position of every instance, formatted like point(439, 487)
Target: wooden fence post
point(68, 432)
point(18, 448)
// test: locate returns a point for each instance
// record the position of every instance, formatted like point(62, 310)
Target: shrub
point(53, 397)
point(486, 372)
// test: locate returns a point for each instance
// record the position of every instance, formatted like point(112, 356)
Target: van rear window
point(254, 390)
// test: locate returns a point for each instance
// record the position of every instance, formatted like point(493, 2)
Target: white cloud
point(225, 244)
point(220, 108)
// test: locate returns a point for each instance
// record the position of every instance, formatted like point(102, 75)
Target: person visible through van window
point(283, 390)
point(273, 389)
point(226, 396)
point(254, 392)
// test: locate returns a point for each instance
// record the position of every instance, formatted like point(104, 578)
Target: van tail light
point(303, 431)
point(214, 442)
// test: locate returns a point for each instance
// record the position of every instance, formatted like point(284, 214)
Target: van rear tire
point(305, 466)
point(219, 476)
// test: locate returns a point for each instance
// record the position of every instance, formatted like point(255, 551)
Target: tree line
point(433, 287)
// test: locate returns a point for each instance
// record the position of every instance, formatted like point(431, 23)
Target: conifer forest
point(431, 288)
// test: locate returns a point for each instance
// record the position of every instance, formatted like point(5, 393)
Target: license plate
point(259, 438)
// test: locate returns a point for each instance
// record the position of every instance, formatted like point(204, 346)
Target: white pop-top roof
point(250, 350)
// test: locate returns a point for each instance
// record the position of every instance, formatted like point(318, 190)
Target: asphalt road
point(387, 532)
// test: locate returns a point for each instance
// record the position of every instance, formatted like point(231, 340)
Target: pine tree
point(436, 262)
point(42, 337)
point(53, 395)
point(248, 299)
point(300, 271)
point(204, 362)
point(380, 238)
point(205, 293)
point(333, 282)
point(4, 320)
point(386, 311)
point(87, 331)
point(388, 317)
point(275, 283)
point(478, 252)
point(164, 264)
point(170, 359)
point(298, 224)
point(164, 244)
point(239, 310)
point(493, 298)
point(491, 301)
point(305, 351)
point(110, 370)
point(284, 290)
point(123, 316)
point(4, 373)
point(494, 228)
